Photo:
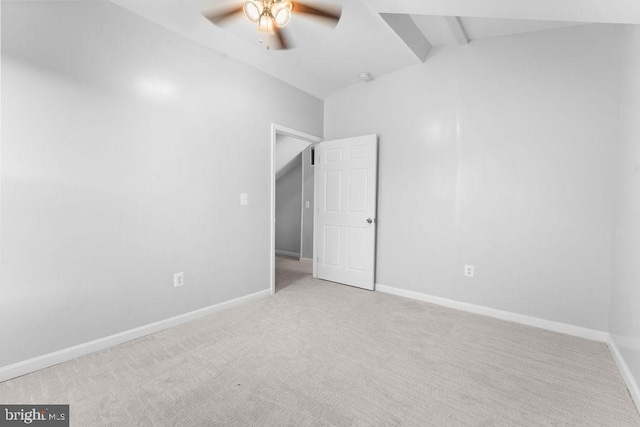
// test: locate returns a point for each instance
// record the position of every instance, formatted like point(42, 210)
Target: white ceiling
point(437, 31)
point(604, 11)
point(326, 59)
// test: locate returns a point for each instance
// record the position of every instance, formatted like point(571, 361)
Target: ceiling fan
point(273, 15)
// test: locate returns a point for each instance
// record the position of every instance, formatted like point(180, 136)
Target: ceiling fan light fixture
point(281, 14)
point(253, 10)
point(271, 15)
point(265, 24)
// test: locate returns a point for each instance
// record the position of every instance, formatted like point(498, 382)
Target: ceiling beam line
point(407, 30)
point(456, 27)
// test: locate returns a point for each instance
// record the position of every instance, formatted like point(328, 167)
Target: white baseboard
point(31, 365)
point(632, 385)
point(550, 325)
point(287, 253)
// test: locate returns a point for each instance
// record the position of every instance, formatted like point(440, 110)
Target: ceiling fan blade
point(284, 40)
point(220, 17)
point(331, 14)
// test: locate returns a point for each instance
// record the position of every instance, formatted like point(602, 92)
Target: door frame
point(276, 130)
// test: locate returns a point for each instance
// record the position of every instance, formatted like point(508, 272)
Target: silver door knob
point(369, 220)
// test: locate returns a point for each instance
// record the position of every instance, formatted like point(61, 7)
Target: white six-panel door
point(345, 199)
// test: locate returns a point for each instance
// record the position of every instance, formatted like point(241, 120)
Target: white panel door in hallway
point(345, 198)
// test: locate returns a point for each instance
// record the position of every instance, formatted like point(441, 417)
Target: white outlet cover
point(244, 199)
point(178, 279)
point(469, 270)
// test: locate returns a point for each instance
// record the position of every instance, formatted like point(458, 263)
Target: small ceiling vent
point(366, 77)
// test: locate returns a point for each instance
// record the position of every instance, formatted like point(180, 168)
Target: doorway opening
point(292, 222)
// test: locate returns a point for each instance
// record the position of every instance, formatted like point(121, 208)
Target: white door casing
point(345, 199)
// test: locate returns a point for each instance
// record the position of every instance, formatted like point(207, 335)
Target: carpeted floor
point(290, 271)
point(319, 353)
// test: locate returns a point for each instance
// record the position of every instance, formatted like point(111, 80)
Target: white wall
point(498, 154)
point(124, 150)
point(625, 296)
point(289, 210)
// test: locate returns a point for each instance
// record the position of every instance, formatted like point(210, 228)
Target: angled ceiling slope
point(325, 59)
point(368, 38)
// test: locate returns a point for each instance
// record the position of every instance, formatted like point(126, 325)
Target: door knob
point(369, 220)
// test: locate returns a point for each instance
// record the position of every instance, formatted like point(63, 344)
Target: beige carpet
point(319, 353)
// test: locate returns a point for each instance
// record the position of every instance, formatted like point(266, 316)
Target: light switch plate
point(244, 199)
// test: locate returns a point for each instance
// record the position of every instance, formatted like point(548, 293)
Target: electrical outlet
point(468, 270)
point(306, 204)
point(178, 280)
point(244, 199)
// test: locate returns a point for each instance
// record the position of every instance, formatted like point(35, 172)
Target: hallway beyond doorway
point(291, 270)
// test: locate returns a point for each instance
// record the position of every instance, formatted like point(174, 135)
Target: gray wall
point(124, 151)
point(288, 213)
point(625, 296)
point(498, 154)
point(307, 212)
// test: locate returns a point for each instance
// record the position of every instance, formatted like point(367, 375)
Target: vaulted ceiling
point(375, 36)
